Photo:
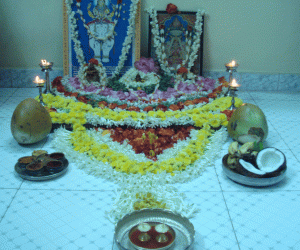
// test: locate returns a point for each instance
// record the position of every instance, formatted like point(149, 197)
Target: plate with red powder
point(180, 234)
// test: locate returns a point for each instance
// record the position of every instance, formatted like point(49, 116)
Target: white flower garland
point(126, 43)
point(82, 73)
point(148, 79)
point(159, 43)
point(145, 183)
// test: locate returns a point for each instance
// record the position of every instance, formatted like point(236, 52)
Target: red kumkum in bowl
point(57, 156)
point(54, 166)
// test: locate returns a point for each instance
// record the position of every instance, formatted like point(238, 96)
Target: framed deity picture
point(105, 30)
point(175, 27)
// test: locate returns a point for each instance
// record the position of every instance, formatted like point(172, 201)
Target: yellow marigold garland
point(75, 114)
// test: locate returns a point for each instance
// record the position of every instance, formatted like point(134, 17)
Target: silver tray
point(184, 229)
point(43, 176)
point(250, 181)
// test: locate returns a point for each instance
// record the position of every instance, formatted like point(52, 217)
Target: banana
point(233, 148)
point(246, 148)
point(254, 153)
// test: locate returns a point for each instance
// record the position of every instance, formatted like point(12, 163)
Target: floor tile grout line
point(228, 212)
point(9, 205)
point(71, 190)
point(284, 142)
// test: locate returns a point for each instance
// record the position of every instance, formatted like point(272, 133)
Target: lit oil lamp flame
point(45, 63)
point(39, 81)
point(234, 84)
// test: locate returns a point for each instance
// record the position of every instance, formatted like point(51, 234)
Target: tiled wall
point(22, 78)
point(252, 81)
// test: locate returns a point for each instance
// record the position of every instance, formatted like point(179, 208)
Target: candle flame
point(233, 63)
point(37, 79)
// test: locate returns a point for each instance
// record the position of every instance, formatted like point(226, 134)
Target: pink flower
point(146, 65)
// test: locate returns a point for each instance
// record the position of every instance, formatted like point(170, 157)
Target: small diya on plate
point(152, 235)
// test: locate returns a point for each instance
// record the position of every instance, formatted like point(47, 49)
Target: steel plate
point(44, 175)
point(184, 229)
point(250, 181)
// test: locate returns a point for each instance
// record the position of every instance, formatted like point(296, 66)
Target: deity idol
point(102, 28)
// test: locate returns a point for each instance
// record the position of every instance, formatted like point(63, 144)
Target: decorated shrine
point(144, 123)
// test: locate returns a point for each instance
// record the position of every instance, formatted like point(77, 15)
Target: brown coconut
point(30, 122)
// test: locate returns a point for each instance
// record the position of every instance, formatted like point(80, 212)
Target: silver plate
point(184, 229)
point(250, 181)
point(42, 177)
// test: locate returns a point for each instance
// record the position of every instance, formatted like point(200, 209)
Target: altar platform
point(69, 212)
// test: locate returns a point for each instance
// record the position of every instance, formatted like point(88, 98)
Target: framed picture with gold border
point(175, 26)
point(99, 18)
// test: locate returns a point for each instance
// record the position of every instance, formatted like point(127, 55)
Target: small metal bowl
point(162, 241)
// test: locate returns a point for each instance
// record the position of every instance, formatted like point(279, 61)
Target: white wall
point(262, 35)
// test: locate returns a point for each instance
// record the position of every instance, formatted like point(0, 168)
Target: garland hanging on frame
point(113, 19)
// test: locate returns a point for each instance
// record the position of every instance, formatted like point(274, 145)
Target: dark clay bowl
point(57, 156)
point(54, 166)
point(24, 161)
point(34, 168)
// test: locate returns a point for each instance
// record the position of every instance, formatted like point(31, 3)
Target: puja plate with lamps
point(180, 228)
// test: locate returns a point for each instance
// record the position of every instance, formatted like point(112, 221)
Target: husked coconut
point(30, 122)
point(248, 124)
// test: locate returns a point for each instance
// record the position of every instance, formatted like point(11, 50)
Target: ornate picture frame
point(95, 46)
point(175, 25)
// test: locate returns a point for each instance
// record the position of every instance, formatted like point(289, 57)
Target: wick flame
point(234, 83)
point(44, 62)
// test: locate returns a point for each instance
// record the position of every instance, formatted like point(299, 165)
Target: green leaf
point(258, 146)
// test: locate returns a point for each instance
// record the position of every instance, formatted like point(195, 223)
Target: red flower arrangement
point(172, 9)
point(182, 70)
point(150, 141)
point(94, 61)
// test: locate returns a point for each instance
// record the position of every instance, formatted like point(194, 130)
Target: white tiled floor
point(69, 212)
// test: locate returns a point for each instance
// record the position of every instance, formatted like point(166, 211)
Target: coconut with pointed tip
point(30, 122)
point(248, 124)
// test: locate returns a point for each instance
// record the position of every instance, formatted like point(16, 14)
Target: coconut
point(248, 124)
point(270, 160)
point(30, 122)
point(270, 163)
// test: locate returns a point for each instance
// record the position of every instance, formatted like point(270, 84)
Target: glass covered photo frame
point(105, 30)
point(175, 27)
